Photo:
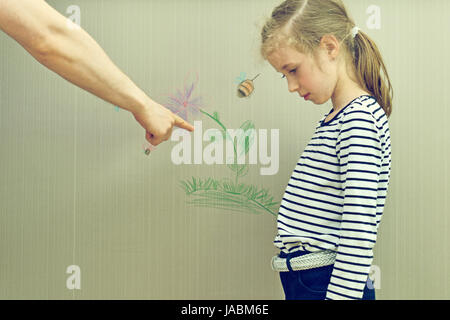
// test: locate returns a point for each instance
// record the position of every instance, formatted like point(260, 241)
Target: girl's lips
point(307, 96)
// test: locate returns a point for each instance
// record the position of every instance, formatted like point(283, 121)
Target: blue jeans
point(311, 284)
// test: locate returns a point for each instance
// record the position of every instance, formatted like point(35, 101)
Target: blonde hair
point(302, 24)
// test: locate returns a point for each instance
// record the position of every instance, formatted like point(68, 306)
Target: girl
point(334, 200)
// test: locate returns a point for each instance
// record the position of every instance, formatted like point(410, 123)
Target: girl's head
point(314, 39)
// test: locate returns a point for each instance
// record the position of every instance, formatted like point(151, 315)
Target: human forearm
point(74, 55)
point(71, 53)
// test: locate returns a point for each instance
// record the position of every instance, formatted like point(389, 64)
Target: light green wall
point(77, 189)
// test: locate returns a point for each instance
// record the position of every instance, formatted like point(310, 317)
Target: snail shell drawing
point(246, 87)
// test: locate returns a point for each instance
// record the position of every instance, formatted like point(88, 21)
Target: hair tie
point(355, 31)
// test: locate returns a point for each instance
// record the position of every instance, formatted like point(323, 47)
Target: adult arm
point(75, 55)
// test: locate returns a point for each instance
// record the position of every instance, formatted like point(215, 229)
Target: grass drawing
point(226, 194)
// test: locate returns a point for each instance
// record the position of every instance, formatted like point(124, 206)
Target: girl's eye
point(293, 71)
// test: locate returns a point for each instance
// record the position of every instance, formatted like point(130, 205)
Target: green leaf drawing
point(246, 139)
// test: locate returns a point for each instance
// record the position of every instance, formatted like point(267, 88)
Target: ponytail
point(369, 63)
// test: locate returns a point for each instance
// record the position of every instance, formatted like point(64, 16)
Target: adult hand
point(158, 122)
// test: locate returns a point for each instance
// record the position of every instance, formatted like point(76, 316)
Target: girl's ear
point(330, 44)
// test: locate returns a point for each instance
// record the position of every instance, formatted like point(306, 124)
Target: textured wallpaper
point(86, 212)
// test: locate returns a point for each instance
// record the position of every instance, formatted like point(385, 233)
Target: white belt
point(307, 261)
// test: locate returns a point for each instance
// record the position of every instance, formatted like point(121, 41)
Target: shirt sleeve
point(359, 153)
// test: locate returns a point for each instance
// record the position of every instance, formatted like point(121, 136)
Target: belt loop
point(288, 263)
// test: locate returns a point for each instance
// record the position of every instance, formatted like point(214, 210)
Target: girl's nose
point(293, 87)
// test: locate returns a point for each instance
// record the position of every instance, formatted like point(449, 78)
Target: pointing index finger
point(179, 122)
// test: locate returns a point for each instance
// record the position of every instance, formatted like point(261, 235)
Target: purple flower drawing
point(183, 103)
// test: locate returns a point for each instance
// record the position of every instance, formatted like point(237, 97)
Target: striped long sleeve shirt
point(335, 197)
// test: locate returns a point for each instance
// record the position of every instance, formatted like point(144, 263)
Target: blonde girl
point(333, 203)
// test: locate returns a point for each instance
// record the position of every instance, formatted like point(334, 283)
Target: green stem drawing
point(224, 129)
point(233, 167)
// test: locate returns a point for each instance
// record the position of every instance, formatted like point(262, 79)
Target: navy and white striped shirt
point(335, 197)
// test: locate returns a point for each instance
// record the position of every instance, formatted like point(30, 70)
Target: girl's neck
point(345, 93)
